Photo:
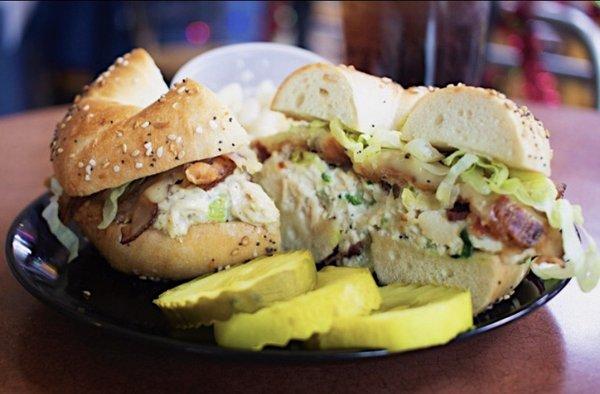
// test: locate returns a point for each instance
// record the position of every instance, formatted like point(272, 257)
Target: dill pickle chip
point(340, 291)
point(410, 317)
point(245, 288)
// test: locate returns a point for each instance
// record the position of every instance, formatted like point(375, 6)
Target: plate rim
point(211, 350)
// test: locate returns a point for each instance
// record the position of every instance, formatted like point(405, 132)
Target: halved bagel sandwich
point(156, 178)
point(424, 185)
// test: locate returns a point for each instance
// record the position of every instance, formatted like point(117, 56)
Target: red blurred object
point(539, 85)
point(197, 33)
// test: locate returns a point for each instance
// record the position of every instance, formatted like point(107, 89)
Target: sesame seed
point(106, 164)
point(175, 105)
point(213, 124)
point(181, 154)
point(119, 134)
point(148, 146)
point(88, 169)
point(124, 147)
point(116, 168)
point(86, 107)
point(145, 124)
point(92, 162)
point(60, 150)
point(87, 177)
point(160, 151)
point(138, 165)
point(80, 164)
point(172, 137)
point(135, 153)
point(72, 156)
point(62, 125)
point(199, 129)
point(125, 62)
point(179, 140)
point(119, 60)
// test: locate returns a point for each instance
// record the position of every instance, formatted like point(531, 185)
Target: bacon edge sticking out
point(510, 222)
point(206, 174)
point(143, 216)
point(459, 211)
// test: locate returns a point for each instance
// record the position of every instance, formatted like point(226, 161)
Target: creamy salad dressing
point(235, 198)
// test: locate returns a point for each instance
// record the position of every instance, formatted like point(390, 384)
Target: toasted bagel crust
point(122, 129)
point(203, 249)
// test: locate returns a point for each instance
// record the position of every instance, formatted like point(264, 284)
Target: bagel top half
point(128, 125)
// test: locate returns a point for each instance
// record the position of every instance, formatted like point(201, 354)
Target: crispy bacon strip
point(208, 173)
point(510, 222)
point(331, 151)
point(142, 217)
point(459, 211)
point(262, 153)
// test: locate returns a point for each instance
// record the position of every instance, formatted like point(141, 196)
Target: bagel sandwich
point(158, 179)
point(423, 185)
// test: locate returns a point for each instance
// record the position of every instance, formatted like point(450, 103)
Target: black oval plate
point(90, 291)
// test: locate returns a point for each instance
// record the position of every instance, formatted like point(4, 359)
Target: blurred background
point(539, 51)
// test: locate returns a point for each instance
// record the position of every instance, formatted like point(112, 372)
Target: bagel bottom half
point(205, 248)
point(483, 274)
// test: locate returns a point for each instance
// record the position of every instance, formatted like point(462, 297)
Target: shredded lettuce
point(533, 189)
point(487, 176)
point(415, 200)
point(64, 234)
point(387, 138)
point(308, 158)
point(423, 150)
point(581, 257)
point(218, 210)
point(111, 206)
point(358, 146)
point(447, 191)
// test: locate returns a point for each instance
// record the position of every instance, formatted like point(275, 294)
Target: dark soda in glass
point(417, 42)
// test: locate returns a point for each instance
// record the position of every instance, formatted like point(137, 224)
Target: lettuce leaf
point(64, 234)
point(533, 189)
point(110, 208)
point(423, 150)
point(359, 146)
point(486, 176)
point(446, 191)
point(389, 139)
point(581, 261)
point(416, 200)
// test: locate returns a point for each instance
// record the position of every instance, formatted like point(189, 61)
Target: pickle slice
point(245, 288)
point(340, 291)
point(410, 317)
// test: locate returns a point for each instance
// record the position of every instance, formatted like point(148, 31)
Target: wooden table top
point(556, 348)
